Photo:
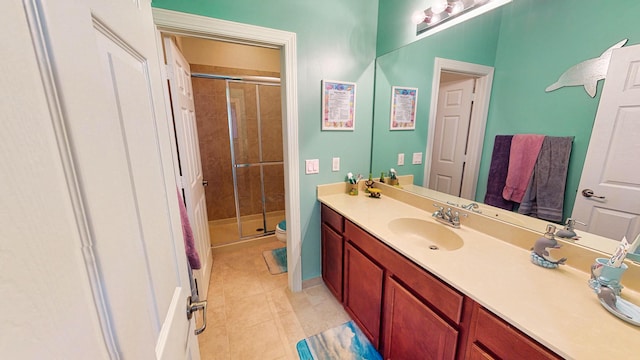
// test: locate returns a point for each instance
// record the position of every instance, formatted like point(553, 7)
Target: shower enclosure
point(255, 133)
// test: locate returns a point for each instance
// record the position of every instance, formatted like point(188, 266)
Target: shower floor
point(225, 231)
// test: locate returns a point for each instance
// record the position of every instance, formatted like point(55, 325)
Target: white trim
point(216, 29)
point(478, 119)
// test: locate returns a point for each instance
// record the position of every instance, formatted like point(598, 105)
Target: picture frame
point(404, 104)
point(338, 105)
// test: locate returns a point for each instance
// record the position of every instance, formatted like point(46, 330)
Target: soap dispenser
point(568, 232)
point(540, 255)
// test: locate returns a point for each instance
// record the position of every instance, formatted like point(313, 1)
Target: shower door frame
point(234, 165)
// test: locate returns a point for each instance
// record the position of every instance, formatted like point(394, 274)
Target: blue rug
point(276, 260)
point(342, 342)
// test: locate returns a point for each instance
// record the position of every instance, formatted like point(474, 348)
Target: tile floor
point(225, 231)
point(253, 315)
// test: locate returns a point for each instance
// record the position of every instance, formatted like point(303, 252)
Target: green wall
point(336, 40)
point(473, 41)
point(537, 40)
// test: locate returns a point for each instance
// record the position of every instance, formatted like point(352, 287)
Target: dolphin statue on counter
point(587, 73)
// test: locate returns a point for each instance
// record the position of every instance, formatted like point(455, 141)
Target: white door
point(184, 118)
point(450, 137)
point(612, 165)
point(104, 59)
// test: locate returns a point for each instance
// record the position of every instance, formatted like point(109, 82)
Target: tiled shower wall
point(213, 135)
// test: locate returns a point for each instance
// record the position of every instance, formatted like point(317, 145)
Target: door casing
point(184, 24)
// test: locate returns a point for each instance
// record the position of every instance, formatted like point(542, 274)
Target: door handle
point(193, 306)
point(205, 183)
point(588, 193)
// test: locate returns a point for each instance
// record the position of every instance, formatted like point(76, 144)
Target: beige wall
point(218, 53)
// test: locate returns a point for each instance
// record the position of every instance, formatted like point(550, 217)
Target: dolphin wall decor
point(587, 73)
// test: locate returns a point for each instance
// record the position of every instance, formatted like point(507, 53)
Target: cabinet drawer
point(332, 218)
point(506, 342)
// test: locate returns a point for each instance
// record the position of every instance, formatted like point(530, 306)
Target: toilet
point(281, 231)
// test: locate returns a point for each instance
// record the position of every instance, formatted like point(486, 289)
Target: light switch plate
point(312, 166)
point(401, 159)
point(335, 166)
point(417, 158)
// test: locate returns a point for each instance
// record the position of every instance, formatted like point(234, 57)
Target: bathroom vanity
point(481, 300)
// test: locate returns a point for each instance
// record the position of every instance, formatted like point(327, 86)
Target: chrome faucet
point(473, 207)
point(447, 217)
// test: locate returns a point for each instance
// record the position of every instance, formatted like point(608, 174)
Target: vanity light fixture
point(445, 11)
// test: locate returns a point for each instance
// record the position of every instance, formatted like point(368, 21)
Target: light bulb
point(418, 17)
point(439, 6)
point(455, 7)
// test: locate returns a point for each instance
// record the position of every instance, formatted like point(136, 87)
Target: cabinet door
point(502, 340)
point(363, 292)
point(412, 330)
point(332, 257)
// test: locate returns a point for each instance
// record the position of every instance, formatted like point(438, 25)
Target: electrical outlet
point(336, 164)
point(401, 159)
point(417, 158)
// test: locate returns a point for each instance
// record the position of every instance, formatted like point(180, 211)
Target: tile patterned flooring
point(252, 314)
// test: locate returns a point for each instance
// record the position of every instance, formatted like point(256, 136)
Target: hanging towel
point(498, 173)
point(189, 242)
point(522, 158)
point(544, 197)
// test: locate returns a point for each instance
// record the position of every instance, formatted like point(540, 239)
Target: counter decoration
point(368, 184)
point(540, 253)
point(374, 193)
point(353, 183)
point(393, 177)
point(605, 281)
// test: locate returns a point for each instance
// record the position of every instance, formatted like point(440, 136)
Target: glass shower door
point(255, 130)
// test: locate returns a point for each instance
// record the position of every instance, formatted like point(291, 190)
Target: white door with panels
point(450, 138)
point(101, 61)
point(193, 183)
point(608, 199)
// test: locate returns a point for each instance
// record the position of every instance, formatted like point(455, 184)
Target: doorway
point(237, 97)
point(466, 151)
point(209, 28)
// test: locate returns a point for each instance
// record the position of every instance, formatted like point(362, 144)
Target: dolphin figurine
point(587, 73)
point(609, 297)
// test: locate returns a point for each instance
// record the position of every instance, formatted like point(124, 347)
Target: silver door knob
point(588, 193)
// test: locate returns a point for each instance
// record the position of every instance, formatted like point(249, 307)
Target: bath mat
point(342, 342)
point(276, 260)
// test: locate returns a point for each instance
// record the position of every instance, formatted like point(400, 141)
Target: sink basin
point(425, 233)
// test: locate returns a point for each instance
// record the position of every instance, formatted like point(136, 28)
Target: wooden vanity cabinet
point(405, 311)
point(332, 250)
point(492, 338)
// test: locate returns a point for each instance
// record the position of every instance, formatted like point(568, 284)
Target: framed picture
point(404, 102)
point(338, 105)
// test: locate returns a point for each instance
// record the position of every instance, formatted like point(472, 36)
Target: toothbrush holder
point(609, 276)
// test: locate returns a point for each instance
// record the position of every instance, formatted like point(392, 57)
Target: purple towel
point(189, 242)
point(498, 173)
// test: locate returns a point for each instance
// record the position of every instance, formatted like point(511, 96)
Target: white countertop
point(556, 307)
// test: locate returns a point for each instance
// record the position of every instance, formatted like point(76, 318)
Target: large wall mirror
point(529, 44)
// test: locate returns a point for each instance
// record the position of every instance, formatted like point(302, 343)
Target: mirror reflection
point(529, 44)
